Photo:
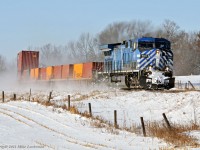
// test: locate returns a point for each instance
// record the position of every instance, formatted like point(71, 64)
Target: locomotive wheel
point(148, 86)
point(127, 81)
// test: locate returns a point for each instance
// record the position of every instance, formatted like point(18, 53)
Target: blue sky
point(25, 23)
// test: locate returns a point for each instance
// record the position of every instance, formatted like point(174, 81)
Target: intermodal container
point(32, 74)
point(25, 75)
point(37, 70)
point(42, 73)
point(57, 72)
point(78, 71)
point(87, 69)
point(98, 66)
point(49, 73)
point(90, 67)
point(65, 71)
point(27, 60)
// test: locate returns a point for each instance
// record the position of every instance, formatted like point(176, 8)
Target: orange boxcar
point(57, 72)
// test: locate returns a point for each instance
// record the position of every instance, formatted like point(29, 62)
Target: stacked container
point(49, 73)
point(42, 73)
point(57, 72)
point(90, 68)
point(27, 60)
point(78, 71)
point(65, 71)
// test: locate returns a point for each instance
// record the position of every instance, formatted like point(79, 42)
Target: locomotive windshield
point(145, 45)
point(107, 53)
point(162, 45)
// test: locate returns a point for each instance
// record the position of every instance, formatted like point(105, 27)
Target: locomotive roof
point(151, 39)
point(106, 47)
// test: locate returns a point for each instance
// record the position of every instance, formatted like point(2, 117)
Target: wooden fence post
point(115, 119)
point(180, 84)
point(3, 96)
point(191, 85)
point(143, 127)
point(30, 95)
point(69, 102)
point(50, 93)
point(90, 109)
point(186, 85)
point(14, 97)
point(166, 120)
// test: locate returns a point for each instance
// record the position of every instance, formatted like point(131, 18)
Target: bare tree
point(120, 31)
point(170, 31)
point(51, 55)
point(2, 64)
point(196, 43)
point(85, 49)
point(113, 33)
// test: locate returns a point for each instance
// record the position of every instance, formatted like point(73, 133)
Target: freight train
point(145, 62)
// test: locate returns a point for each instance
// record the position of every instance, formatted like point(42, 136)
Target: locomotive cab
point(156, 63)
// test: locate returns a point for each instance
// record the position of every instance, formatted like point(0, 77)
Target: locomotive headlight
point(157, 52)
point(149, 68)
point(167, 69)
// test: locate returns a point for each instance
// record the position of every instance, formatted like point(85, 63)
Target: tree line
point(185, 45)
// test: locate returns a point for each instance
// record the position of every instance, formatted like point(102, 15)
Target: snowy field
point(29, 125)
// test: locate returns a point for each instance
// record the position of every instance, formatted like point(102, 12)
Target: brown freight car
point(27, 60)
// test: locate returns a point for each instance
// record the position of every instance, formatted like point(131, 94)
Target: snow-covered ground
point(29, 124)
point(26, 125)
point(192, 78)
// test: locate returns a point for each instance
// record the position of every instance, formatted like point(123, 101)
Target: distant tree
point(85, 49)
point(2, 64)
point(171, 31)
point(196, 44)
point(71, 51)
point(51, 55)
point(113, 33)
point(120, 31)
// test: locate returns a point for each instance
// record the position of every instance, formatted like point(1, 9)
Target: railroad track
point(160, 90)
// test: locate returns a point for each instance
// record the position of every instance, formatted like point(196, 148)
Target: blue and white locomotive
point(145, 62)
